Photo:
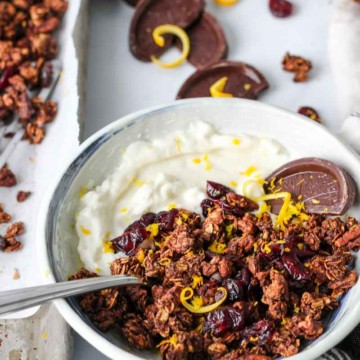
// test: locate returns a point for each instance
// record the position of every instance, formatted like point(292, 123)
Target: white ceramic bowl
point(99, 154)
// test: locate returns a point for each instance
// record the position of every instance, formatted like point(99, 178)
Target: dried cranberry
point(47, 73)
point(244, 276)
point(254, 291)
point(166, 219)
point(261, 331)
point(206, 205)
point(216, 191)
point(278, 264)
point(298, 248)
point(5, 76)
point(128, 241)
point(223, 320)
point(136, 225)
point(234, 289)
point(294, 267)
point(281, 8)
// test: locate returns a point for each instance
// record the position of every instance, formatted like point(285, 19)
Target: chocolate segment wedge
point(151, 13)
point(207, 42)
point(244, 81)
point(321, 185)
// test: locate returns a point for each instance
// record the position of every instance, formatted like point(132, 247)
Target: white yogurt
point(164, 173)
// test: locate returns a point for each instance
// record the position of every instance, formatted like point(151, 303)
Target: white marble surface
point(119, 84)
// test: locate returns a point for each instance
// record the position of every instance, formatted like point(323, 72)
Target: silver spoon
point(15, 300)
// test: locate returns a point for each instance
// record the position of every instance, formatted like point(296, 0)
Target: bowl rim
point(73, 319)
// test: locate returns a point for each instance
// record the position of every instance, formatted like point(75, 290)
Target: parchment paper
point(36, 165)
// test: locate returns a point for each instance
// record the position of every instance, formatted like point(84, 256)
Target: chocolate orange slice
point(321, 185)
point(150, 14)
point(243, 81)
point(207, 42)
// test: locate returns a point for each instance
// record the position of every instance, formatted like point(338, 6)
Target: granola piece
point(253, 264)
point(284, 343)
point(183, 270)
point(43, 45)
point(34, 133)
point(350, 239)
point(339, 287)
point(308, 327)
point(332, 267)
point(4, 217)
point(276, 296)
point(241, 201)
point(212, 227)
point(217, 350)
point(218, 264)
point(7, 177)
point(181, 240)
point(138, 296)
point(239, 246)
point(135, 333)
point(247, 225)
point(239, 355)
point(127, 266)
point(42, 19)
point(22, 195)
point(105, 308)
point(153, 269)
point(315, 304)
point(298, 65)
point(184, 345)
point(57, 6)
point(332, 229)
point(313, 240)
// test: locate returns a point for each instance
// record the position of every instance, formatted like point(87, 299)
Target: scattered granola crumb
point(9, 135)
point(4, 217)
point(298, 65)
point(9, 242)
point(22, 195)
point(16, 275)
point(7, 177)
point(310, 113)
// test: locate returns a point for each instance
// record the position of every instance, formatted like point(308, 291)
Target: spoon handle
point(19, 299)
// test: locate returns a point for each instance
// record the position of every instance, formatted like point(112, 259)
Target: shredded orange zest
point(300, 246)
point(159, 40)
point(229, 229)
point(188, 293)
point(272, 184)
point(123, 210)
point(171, 206)
point(233, 183)
point(249, 171)
point(197, 280)
point(173, 341)
point(98, 270)
point(137, 182)
point(284, 321)
point(196, 161)
point(281, 242)
point(226, 3)
point(108, 247)
point(296, 309)
point(217, 88)
point(178, 145)
point(207, 162)
point(153, 229)
point(281, 195)
point(254, 338)
point(236, 141)
point(217, 247)
point(256, 246)
point(83, 191)
point(85, 231)
point(140, 256)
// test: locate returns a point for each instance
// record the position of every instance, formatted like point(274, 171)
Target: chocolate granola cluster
point(230, 285)
point(27, 47)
